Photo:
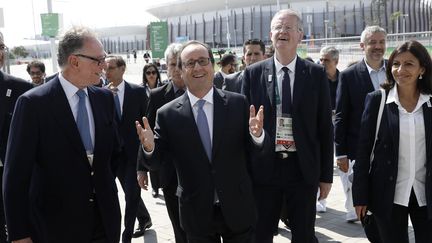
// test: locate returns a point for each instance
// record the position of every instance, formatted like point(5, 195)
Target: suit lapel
point(300, 81)
point(63, 114)
point(365, 77)
point(127, 99)
point(427, 116)
point(393, 123)
point(169, 92)
point(270, 80)
point(219, 118)
point(97, 118)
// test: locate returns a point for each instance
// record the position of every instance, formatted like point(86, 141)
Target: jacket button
point(91, 200)
point(92, 173)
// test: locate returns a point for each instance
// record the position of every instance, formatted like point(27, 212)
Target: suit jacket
point(311, 112)
point(48, 181)
point(354, 84)
point(10, 89)
point(218, 79)
point(377, 189)
point(134, 108)
point(198, 178)
point(233, 82)
point(159, 97)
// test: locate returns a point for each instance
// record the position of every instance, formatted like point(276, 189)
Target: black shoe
point(141, 229)
point(155, 193)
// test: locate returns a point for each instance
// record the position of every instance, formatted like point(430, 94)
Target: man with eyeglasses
point(159, 96)
point(36, 70)
point(10, 89)
point(219, 132)
point(59, 182)
point(131, 104)
point(228, 65)
point(300, 158)
point(253, 51)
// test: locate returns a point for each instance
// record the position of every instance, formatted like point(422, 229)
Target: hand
point(145, 134)
point(343, 164)
point(25, 240)
point(360, 211)
point(142, 179)
point(324, 190)
point(256, 121)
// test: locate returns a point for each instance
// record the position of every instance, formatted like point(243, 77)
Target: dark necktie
point(179, 92)
point(286, 92)
point(83, 122)
point(203, 128)
point(117, 102)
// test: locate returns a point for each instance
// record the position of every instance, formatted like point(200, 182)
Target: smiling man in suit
point(59, 184)
point(10, 89)
point(209, 146)
point(131, 104)
point(301, 156)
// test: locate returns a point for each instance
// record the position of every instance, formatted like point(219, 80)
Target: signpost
point(50, 24)
point(158, 38)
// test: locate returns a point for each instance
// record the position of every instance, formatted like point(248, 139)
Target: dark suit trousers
point(2, 214)
point(171, 202)
point(155, 179)
point(135, 207)
point(300, 201)
point(395, 229)
point(220, 229)
point(99, 235)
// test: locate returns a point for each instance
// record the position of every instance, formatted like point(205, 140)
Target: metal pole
point(227, 24)
point(52, 43)
point(325, 29)
point(403, 26)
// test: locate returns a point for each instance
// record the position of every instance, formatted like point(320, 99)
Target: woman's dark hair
point(158, 79)
point(424, 85)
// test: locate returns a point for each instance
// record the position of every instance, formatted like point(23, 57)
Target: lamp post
point(403, 25)
point(52, 42)
point(326, 21)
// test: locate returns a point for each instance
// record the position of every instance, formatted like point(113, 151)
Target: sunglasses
point(151, 72)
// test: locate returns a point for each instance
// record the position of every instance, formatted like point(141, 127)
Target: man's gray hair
point(331, 50)
point(172, 51)
point(292, 13)
point(73, 41)
point(370, 30)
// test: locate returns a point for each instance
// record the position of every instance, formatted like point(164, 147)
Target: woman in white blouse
point(398, 182)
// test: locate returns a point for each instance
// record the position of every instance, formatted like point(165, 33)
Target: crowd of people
point(234, 151)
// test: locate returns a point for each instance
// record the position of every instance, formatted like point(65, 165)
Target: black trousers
point(221, 230)
point(99, 234)
point(300, 201)
point(395, 229)
point(155, 179)
point(3, 235)
point(135, 207)
point(171, 202)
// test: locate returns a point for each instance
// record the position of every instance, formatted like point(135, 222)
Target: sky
point(22, 17)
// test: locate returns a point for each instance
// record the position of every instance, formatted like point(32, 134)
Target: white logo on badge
point(8, 93)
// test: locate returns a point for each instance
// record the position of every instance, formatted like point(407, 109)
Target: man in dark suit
point(131, 104)
point(59, 183)
point(253, 51)
point(10, 89)
point(228, 65)
point(210, 152)
point(355, 83)
point(301, 156)
point(168, 178)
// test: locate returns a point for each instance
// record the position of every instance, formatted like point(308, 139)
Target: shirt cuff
point(337, 157)
point(258, 140)
point(147, 154)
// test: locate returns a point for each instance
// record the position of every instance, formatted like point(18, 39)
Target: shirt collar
point(393, 97)
point(208, 97)
point(121, 86)
point(290, 66)
point(69, 89)
point(370, 69)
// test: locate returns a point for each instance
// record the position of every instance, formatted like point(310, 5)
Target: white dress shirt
point(73, 99)
point(412, 151)
point(377, 76)
point(280, 73)
point(208, 109)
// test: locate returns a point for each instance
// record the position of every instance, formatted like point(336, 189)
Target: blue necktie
point(203, 128)
point(286, 92)
point(117, 102)
point(83, 122)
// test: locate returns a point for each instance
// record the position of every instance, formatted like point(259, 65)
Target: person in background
point(397, 183)
point(228, 65)
point(36, 70)
point(151, 77)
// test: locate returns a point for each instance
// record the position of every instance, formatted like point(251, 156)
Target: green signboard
point(158, 38)
point(50, 24)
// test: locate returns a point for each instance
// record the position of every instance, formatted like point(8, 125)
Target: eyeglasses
point(151, 72)
point(280, 28)
point(38, 73)
point(99, 61)
point(201, 61)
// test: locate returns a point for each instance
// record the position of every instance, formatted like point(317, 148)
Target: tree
point(20, 51)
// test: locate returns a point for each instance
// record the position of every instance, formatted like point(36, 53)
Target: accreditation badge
point(284, 133)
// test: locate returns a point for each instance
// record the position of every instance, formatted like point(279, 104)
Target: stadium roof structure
point(187, 7)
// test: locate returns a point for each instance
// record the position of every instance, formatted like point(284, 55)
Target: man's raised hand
point(256, 121)
point(145, 134)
